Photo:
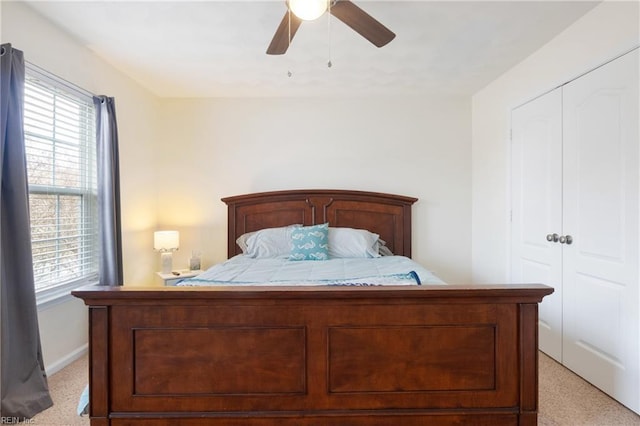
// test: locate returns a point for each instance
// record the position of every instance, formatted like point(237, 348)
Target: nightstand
point(172, 279)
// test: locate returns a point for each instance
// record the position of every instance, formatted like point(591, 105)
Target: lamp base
point(166, 261)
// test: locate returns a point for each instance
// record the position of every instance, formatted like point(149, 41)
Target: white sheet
point(385, 270)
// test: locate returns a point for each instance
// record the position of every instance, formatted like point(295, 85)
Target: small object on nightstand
point(174, 277)
point(194, 261)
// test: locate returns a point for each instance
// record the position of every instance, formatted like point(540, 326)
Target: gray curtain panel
point(24, 383)
point(109, 192)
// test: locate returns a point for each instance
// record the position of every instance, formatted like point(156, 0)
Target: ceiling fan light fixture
point(308, 10)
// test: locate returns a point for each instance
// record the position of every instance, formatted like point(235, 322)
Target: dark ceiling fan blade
point(362, 23)
point(282, 37)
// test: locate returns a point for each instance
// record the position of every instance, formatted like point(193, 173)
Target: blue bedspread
point(386, 270)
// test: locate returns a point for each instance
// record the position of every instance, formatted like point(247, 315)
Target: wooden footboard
point(444, 355)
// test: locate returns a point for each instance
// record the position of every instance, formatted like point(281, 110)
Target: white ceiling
point(217, 48)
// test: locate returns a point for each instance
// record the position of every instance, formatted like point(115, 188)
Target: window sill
point(50, 297)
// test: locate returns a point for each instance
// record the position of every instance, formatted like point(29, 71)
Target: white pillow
point(267, 243)
point(343, 243)
point(242, 240)
point(383, 249)
point(350, 243)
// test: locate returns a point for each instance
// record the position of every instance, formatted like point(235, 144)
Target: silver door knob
point(553, 237)
point(566, 239)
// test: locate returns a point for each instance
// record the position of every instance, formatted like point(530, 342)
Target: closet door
point(536, 200)
point(600, 275)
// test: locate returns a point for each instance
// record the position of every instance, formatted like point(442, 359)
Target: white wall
point(414, 147)
point(607, 31)
point(63, 327)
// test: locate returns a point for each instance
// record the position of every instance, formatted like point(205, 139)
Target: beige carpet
point(65, 387)
point(565, 399)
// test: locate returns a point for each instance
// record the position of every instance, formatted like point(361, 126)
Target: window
point(60, 139)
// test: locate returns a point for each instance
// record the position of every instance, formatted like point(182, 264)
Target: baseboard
point(53, 368)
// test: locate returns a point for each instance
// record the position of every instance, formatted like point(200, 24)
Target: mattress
point(245, 270)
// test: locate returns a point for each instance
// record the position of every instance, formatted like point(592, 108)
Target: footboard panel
point(323, 357)
point(412, 358)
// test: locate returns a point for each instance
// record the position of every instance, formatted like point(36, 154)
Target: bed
point(314, 355)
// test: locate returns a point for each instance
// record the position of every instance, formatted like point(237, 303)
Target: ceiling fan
point(346, 11)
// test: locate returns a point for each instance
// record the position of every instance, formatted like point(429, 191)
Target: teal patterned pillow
point(310, 242)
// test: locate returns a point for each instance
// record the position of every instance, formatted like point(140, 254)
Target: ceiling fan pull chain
point(329, 64)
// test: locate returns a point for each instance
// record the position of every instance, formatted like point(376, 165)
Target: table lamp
point(166, 242)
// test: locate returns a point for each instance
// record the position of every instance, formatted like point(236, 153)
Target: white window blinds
point(60, 139)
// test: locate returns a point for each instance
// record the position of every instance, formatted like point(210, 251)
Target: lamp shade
point(164, 241)
point(308, 10)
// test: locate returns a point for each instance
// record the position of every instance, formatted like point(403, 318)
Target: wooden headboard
point(387, 215)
